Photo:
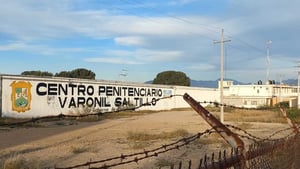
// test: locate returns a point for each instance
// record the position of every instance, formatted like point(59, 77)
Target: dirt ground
point(64, 145)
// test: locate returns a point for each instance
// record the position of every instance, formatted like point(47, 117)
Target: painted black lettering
point(98, 102)
point(117, 91)
point(153, 102)
point(124, 89)
point(39, 89)
point(81, 89)
point(90, 102)
point(143, 92)
point(101, 90)
point(125, 102)
point(118, 101)
point(153, 92)
point(148, 92)
point(130, 91)
point(72, 102)
point(62, 104)
point(62, 89)
point(107, 104)
point(72, 86)
point(136, 92)
point(136, 100)
point(52, 89)
point(159, 92)
point(90, 90)
point(80, 101)
point(109, 91)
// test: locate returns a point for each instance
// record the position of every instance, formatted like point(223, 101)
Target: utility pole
point(222, 41)
point(123, 74)
point(298, 87)
point(268, 60)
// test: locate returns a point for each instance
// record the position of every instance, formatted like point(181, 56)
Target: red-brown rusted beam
point(227, 134)
point(290, 122)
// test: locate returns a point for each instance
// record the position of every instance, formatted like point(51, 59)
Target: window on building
point(254, 102)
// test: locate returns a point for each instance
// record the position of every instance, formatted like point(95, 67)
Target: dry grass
point(123, 114)
point(242, 115)
point(80, 149)
point(19, 162)
point(144, 136)
point(140, 140)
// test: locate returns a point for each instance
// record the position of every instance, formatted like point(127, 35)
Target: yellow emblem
point(20, 96)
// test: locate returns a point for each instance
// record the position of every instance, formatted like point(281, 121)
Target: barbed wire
point(138, 156)
point(63, 116)
point(254, 138)
point(147, 153)
point(217, 104)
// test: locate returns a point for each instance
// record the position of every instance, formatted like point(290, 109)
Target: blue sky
point(145, 37)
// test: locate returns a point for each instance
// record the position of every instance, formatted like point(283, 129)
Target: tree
point(37, 73)
point(77, 73)
point(63, 74)
point(172, 78)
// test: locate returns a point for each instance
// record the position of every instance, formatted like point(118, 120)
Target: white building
point(255, 95)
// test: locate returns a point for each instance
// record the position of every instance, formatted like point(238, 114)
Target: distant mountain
point(148, 82)
point(205, 83)
point(211, 83)
point(292, 82)
point(214, 83)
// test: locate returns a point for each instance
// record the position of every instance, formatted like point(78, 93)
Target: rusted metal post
point(230, 137)
point(290, 122)
point(227, 134)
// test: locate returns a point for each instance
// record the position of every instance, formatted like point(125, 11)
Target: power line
point(176, 18)
point(207, 27)
point(203, 26)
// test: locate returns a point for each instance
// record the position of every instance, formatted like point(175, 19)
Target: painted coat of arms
point(20, 96)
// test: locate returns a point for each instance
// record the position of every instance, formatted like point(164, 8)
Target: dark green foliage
point(63, 74)
point(80, 73)
point(172, 78)
point(294, 113)
point(283, 104)
point(37, 73)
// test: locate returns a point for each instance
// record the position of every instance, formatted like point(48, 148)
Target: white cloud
point(14, 46)
point(130, 41)
point(181, 2)
point(141, 56)
point(112, 60)
point(203, 67)
point(40, 49)
point(157, 38)
point(157, 56)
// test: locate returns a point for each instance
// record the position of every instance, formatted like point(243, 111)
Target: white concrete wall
point(199, 94)
point(250, 90)
point(24, 96)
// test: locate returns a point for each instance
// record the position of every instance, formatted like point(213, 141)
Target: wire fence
point(269, 152)
point(70, 116)
point(264, 153)
point(277, 154)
